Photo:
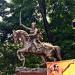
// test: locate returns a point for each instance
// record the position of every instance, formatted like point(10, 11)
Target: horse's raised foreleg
point(23, 59)
point(21, 56)
point(18, 54)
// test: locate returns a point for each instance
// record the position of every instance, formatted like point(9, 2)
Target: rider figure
point(33, 33)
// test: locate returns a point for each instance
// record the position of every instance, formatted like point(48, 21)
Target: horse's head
point(19, 36)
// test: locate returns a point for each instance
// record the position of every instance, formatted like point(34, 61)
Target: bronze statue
point(32, 44)
point(45, 50)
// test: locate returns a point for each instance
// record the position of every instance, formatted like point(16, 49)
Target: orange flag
point(66, 67)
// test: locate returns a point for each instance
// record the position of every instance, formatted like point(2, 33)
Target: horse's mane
point(22, 31)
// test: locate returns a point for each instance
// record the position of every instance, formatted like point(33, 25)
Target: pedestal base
point(30, 71)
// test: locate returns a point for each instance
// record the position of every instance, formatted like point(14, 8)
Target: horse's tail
point(58, 52)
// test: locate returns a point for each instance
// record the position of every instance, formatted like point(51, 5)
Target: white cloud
point(8, 1)
point(9, 15)
point(7, 9)
point(1, 19)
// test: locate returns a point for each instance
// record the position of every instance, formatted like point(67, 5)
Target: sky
point(1, 19)
point(8, 9)
point(8, 1)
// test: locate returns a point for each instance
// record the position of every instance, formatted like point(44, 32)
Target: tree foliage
point(58, 30)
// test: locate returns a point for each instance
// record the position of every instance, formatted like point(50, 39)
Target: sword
point(20, 19)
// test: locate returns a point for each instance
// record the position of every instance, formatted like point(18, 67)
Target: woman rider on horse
point(33, 33)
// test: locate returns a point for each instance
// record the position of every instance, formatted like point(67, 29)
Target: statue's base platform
point(30, 71)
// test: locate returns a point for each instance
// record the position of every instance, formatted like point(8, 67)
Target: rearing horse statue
point(45, 50)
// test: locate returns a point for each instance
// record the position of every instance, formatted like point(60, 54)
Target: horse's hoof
point(25, 67)
point(37, 65)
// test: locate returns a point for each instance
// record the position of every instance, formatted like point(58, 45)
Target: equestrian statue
point(32, 43)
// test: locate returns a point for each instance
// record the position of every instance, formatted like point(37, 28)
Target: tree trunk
point(42, 8)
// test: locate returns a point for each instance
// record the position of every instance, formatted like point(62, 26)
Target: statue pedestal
point(30, 71)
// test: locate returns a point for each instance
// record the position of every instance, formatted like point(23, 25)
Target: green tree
point(59, 30)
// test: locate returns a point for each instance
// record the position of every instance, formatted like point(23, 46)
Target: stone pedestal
point(30, 71)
